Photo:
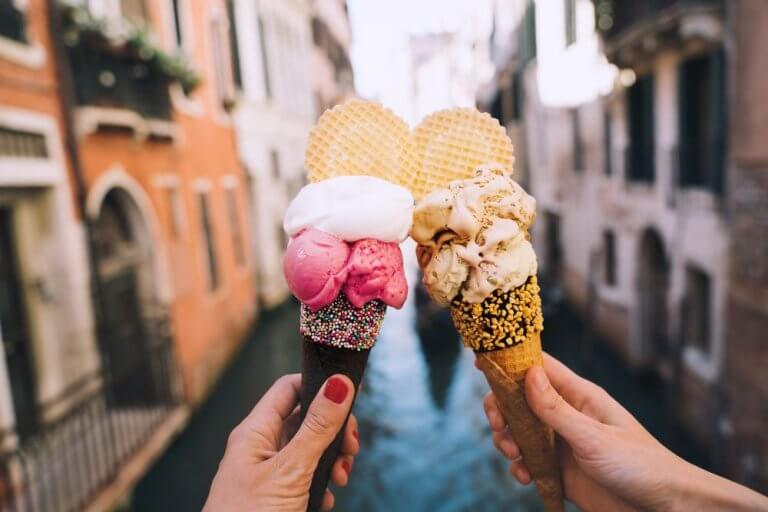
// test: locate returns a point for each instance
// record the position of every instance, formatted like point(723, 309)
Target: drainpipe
point(66, 96)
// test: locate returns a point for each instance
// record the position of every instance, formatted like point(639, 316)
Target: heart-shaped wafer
point(361, 138)
point(451, 144)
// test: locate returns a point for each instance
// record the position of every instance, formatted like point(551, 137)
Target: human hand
point(266, 467)
point(608, 460)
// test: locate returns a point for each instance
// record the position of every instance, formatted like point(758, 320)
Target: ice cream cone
point(354, 139)
point(475, 253)
point(505, 333)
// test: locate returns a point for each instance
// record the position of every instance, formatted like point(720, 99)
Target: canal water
point(425, 443)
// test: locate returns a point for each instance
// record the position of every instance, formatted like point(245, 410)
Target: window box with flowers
point(117, 65)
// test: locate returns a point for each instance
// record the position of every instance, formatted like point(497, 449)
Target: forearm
point(697, 489)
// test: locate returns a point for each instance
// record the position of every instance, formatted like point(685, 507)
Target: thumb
point(324, 419)
point(551, 408)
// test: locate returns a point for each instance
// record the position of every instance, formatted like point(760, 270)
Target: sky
point(380, 33)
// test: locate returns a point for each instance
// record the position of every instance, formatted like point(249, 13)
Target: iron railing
point(107, 78)
point(12, 24)
point(616, 16)
point(69, 461)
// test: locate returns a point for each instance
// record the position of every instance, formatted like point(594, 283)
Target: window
point(210, 246)
point(640, 113)
point(234, 52)
point(174, 212)
point(12, 23)
point(609, 257)
point(528, 34)
point(702, 119)
point(221, 62)
point(607, 143)
point(234, 226)
point(274, 160)
point(22, 144)
point(697, 309)
point(517, 96)
point(570, 22)
point(265, 58)
point(554, 251)
point(578, 144)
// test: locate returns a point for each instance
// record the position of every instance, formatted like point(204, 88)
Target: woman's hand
point(609, 461)
point(267, 467)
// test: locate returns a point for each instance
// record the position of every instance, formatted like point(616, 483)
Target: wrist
point(693, 488)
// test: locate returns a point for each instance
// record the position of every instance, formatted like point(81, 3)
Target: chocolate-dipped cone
point(505, 332)
point(337, 340)
point(318, 362)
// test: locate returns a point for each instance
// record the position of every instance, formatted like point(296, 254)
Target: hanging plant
point(128, 40)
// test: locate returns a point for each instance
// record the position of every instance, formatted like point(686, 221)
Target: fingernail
point(336, 390)
point(494, 418)
point(346, 466)
point(540, 381)
point(508, 449)
point(356, 434)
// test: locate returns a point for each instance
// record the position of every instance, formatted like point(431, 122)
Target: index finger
point(584, 395)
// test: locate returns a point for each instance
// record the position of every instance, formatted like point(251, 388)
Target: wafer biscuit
point(451, 144)
point(361, 138)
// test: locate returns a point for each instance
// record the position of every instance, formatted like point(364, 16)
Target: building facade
point(332, 77)
point(274, 115)
point(294, 64)
point(46, 322)
point(649, 189)
point(126, 272)
point(166, 193)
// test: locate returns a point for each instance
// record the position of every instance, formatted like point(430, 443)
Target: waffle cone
point(505, 333)
point(503, 371)
point(451, 144)
point(361, 138)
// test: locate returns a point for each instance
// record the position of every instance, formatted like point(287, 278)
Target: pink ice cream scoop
point(375, 271)
point(315, 267)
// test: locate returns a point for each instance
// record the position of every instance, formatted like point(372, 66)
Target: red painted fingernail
point(336, 390)
point(345, 465)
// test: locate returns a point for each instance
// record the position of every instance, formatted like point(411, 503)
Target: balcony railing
point(615, 17)
point(12, 25)
point(114, 80)
point(69, 461)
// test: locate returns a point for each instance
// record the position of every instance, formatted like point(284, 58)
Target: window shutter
point(717, 124)
point(682, 125)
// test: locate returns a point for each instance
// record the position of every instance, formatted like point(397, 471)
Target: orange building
point(159, 161)
point(125, 253)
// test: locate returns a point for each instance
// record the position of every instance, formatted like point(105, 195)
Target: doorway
point(652, 288)
point(125, 334)
point(14, 332)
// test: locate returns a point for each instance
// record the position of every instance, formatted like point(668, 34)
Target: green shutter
point(717, 123)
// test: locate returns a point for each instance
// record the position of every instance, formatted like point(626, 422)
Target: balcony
point(119, 81)
point(12, 24)
point(645, 26)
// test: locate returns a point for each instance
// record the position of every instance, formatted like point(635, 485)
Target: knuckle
point(316, 422)
point(552, 403)
point(235, 437)
point(285, 380)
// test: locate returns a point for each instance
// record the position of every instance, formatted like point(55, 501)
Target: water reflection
point(440, 345)
point(426, 445)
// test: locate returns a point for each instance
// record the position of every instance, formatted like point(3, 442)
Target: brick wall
point(745, 363)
